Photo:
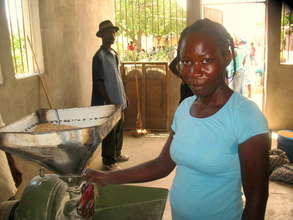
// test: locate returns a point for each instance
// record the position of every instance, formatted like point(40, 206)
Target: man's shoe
point(111, 167)
point(122, 158)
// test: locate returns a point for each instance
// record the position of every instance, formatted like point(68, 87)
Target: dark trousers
point(112, 143)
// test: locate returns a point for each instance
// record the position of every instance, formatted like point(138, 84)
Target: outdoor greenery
point(157, 54)
point(18, 54)
point(158, 21)
point(287, 22)
point(287, 17)
point(286, 30)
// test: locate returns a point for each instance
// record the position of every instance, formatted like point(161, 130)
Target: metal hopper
point(64, 151)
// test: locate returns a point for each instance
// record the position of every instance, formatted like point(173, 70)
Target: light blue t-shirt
point(207, 185)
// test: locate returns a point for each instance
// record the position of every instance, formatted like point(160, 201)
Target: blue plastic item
point(285, 143)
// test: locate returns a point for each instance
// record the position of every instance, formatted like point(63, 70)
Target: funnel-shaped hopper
point(61, 140)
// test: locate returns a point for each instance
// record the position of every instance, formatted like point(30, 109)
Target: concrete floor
point(280, 203)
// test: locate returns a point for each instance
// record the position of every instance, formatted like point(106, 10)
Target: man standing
point(108, 89)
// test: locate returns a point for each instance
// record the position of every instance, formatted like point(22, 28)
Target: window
point(25, 38)
point(286, 56)
point(149, 29)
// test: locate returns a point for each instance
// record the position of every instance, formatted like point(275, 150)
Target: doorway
point(245, 21)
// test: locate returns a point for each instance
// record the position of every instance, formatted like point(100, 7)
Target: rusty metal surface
point(61, 151)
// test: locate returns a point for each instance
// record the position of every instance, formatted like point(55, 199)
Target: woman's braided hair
point(215, 30)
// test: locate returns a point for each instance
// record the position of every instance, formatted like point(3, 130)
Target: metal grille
point(19, 17)
point(142, 80)
point(231, 1)
point(286, 35)
point(149, 29)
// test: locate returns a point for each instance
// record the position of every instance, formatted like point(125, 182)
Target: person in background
point(131, 46)
point(185, 91)
point(260, 73)
point(218, 140)
point(252, 54)
point(250, 66)
point(108, 89)
point(237, 82)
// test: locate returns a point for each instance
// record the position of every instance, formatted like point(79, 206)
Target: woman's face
point(202, 64)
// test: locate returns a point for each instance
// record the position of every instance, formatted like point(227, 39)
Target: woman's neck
point(218, 98)
point(209, 105)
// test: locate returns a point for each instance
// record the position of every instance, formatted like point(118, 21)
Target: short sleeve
point(177, 113)
point(249, 121)
point(173, 125)
point(181, 109)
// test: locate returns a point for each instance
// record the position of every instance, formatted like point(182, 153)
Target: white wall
point(279, 89)
point(68, 31)
point(69, 42)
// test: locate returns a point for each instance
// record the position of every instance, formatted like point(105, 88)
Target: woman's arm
point(254, 161)
point(148, 171)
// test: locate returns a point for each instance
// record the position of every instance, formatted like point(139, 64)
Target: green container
point(130, 202)
point(54, 198)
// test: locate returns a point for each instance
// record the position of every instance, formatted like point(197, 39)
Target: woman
point(218, 141)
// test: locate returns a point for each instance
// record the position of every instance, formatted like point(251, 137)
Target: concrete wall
point(193, 11)
point(68, 31)
point(18, 97)
point(279, 89)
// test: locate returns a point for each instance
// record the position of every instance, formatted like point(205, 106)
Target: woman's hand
point(151, 170)
point(95, 176)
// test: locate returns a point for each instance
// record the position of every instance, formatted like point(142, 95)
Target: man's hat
point(105, 25)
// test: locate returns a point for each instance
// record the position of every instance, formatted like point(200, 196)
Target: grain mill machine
point(63, 141)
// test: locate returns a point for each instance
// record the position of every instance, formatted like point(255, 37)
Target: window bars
point(231, 1)
point(149, 29)
point(21, 29)
point(286, 56)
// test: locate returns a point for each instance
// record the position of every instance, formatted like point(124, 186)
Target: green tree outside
point(18, 54)
point(158, 20)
